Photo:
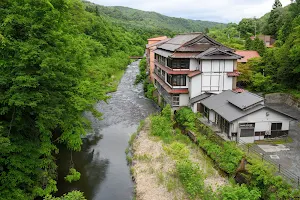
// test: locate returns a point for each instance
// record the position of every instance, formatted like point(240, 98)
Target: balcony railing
point(159, 74)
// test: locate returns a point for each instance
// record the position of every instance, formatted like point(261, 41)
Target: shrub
point(143, 74)
point(239, 192)
point(191, 178)
point(177, 151)
point(162, 127)
point(73, 175)
point(186, 118)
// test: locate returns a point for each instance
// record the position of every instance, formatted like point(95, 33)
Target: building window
point(178, 63)
point(175, 100)
point(160, 59)
point(276, 127)
point(206, 112)
point(176, 80)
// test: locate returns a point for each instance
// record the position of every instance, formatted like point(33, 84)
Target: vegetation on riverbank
point(186, 172)
point(56, 61)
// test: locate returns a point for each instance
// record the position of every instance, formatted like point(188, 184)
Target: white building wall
point(214, 75)
point(229, 65)
point(184, 100)
point(262, 123)
point(195, 86)
point(194, 64)
point(227, 84)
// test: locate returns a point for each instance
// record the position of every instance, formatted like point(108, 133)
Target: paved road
point(290, 159)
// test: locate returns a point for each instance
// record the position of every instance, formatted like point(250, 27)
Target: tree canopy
point(56, 61)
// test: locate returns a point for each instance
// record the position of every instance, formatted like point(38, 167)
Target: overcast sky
point(218, 10)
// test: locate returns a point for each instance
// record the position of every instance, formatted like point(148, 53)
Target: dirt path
point(154, 170)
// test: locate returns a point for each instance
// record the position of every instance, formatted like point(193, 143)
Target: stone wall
point(282, 98)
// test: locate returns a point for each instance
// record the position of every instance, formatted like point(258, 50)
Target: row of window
point(160, 59)
point(176, 80)
point(178, 63)
point(174, 98)
point(173, 80)
point(173, 63)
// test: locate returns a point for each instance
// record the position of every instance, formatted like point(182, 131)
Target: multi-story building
point(189, 66)
point(150, 47)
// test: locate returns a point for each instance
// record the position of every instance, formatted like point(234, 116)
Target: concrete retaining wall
point(283, 98)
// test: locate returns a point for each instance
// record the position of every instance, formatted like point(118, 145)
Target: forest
point(56, 61)
point(59, 57)
point(278, 69)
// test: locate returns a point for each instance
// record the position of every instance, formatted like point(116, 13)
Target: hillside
point(149, 21)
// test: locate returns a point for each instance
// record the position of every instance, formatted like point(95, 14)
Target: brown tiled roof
point(233, 74)
point(168, 89)
point(195, 48)
point(184, 55)
point(194, 73)
point(247, 55)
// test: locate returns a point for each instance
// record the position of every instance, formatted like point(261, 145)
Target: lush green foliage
point(226, 155)
point(228, 36)
point(239, 192)
point(271, 186)
point(74, 195)
point(56, 61)
point(190, 175)
point(256, 44)
point(279, 68)
point(186, 118)
point(149, 88)
point(191, 178)
point(143, 73)
point(161, 125)
point(73, 175)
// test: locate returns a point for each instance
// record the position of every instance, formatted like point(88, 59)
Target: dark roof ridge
point(190, 33)
point(254, 94)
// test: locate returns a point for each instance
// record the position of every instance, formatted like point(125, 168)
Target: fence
point(254, 151)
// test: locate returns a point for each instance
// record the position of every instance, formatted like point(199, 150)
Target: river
point(102, 160)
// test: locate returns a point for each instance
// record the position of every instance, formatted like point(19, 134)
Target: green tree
point(246, 27)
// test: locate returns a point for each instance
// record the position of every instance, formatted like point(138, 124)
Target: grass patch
point(129, 159)
point(132, 138)
point(115, 80)
point(275, 141)
point(144, 157)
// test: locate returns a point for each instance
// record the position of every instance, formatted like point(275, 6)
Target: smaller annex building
point(243, 117)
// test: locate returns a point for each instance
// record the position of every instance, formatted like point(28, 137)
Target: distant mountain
point(149, 21)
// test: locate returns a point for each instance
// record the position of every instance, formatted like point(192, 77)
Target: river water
point(102, 161)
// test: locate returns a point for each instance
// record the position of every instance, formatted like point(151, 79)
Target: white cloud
point(219, 10)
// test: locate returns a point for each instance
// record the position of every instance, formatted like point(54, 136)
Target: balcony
point(159, 74)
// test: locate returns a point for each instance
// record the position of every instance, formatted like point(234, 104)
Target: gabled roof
point(245, 100)
point(178, 41)
point(196, 45)
point(200, 97)
point(231, 112)
point(247, 55)
point(217, 53)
